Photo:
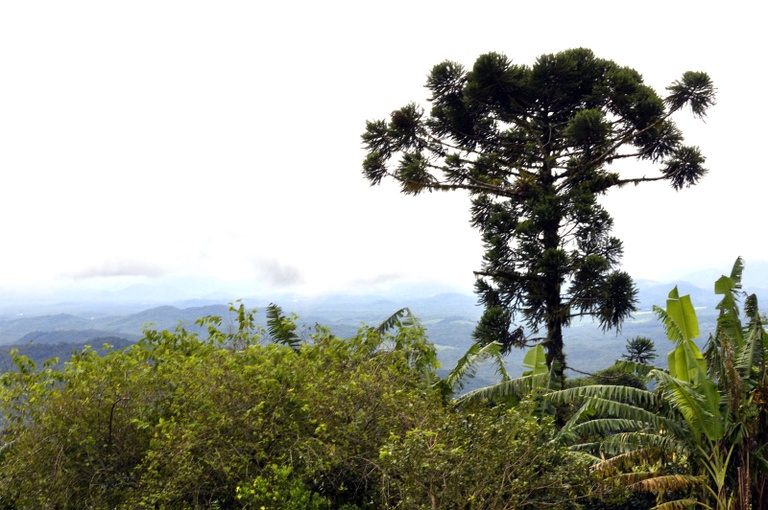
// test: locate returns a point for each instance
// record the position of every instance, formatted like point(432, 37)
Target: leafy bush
point(235, 421)
point(177, 421)
point(482, 458)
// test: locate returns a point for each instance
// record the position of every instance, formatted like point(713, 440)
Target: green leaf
point(687, 363)
point(682, 313)
point(403, 318)
point(535, 361)
point(467, 365)
point(724, 285)
point(509, 388)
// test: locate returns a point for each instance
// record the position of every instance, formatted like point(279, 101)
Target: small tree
point(533, 147)
point(640, 350)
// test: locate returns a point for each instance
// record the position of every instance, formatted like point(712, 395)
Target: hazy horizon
point(159, 290)
point(220, 143)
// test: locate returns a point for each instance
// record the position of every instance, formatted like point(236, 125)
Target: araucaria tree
point(533, 146)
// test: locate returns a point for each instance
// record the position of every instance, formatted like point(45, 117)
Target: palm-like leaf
point(282, 329)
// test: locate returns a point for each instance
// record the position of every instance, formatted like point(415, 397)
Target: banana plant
point(705, 411)
point(687, 383)
point(737, 358)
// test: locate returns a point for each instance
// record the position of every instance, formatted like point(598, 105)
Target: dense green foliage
point(232, 420)
point(488, 458)
point(533, 146)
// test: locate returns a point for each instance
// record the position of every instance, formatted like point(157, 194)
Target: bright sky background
point(148, 141)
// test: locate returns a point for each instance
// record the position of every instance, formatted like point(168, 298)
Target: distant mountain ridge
point(56, 328)
point(335, 309)
point(73, 337)
point(450, 319)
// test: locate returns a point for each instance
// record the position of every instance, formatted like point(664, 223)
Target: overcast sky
point(154, 140)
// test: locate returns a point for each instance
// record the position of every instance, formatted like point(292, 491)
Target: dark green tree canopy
point(533, 145)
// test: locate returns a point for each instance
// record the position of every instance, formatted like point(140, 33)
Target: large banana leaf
point(751, 354)
point(509, 388)
point(602, 407)
point(678, 504)
point(403, 318)
point(627, 394)
point(680, 318)
point(687, 363)
point(625, 442)
point(466, 367)
point(699, 404)
point(728, 323)
point(535, 361)
point(668, 483)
